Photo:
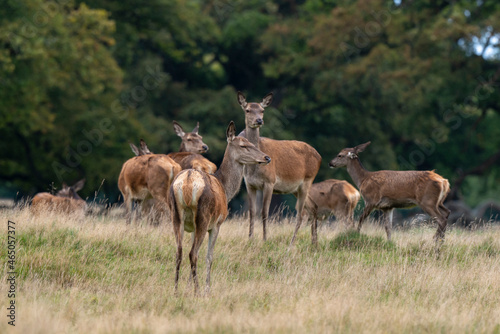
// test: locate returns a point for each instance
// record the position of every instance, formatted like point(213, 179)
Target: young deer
point(192, 146)
point(331, 197)
point(387, 189)
point(66, 200)
point(198, 201)
point(292, 170)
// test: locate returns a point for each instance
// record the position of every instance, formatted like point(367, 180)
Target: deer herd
point(195, 194)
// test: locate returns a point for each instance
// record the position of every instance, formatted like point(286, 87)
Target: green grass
point(100, 275)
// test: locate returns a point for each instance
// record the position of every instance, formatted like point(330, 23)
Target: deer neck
point(253, 135)
point(357, 172)
point(182, 148)
point(230, 175)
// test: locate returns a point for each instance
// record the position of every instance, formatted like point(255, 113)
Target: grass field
point(102, 276)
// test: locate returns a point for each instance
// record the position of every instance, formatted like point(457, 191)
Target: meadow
point(99, 275)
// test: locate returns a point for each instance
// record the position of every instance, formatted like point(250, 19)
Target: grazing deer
point(331, 197)
point(192, 146)
point(292, 170)
point(198, 201)
point(146, 176)
point(66, 200)
point(388, 189)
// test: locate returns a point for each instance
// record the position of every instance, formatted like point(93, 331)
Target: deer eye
point(339, 156)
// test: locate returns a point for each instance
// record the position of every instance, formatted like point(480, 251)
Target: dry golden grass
point(99, 275)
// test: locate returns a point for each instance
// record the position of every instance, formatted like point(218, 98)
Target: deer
point(387, 189)
point(187, 157)
point(293, 167)
point(146, 176)
point(192, 146)
point(65, 200)
point(198, 201)
point(329, 197)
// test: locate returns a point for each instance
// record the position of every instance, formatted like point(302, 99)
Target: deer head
point(243, 151)
point(254, 112)
point(191, 141)
point(71, 192)
point(347, 154)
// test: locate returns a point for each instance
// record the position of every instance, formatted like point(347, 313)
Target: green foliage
point(79, 80)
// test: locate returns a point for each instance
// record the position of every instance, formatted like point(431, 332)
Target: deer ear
point(79, 185)
point(178, 129)
point(195, 130)
point(361, 147)
point(231, 132)
point(242, 100)
point(352, 155)
point(135, 149)
point(267, 100)
point(144, 147)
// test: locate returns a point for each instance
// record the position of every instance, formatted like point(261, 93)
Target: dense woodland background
point(80, 79)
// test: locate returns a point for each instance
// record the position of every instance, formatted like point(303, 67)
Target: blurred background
point(79, 80)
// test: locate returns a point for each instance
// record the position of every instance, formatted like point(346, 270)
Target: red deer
point(189, 155)
point(198, 200)
point(146, 176)
point(388, 189)
point(186, 158)
point(66, 201)
point(331, 197)
point(293, 167)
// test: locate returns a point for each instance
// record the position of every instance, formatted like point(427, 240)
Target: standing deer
point(66, 200)
point(146, 176)
point(198, 201)
point(331, 197)
point(388, 189)
point(292, 170)
point(144, 188)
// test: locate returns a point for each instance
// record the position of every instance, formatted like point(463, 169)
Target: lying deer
point(198, 200)
point(331, 197)
point(387, 189)
point(66, 201)
point(292, 170)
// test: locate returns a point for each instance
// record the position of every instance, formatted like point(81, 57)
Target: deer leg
point(252, 197)
point(128, 207)
point(434, 212)
point(314, 230)
point(199, 234)
point(388, 222)
point(267, 194)
point(301, 199)
point(366, 212)
point(178, 233)
point(212, 238)
point(350, 214)
point(444, 210)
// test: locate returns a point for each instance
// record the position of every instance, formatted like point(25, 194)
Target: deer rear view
point(387, 189)
point(146, 177)
point(198, 200)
